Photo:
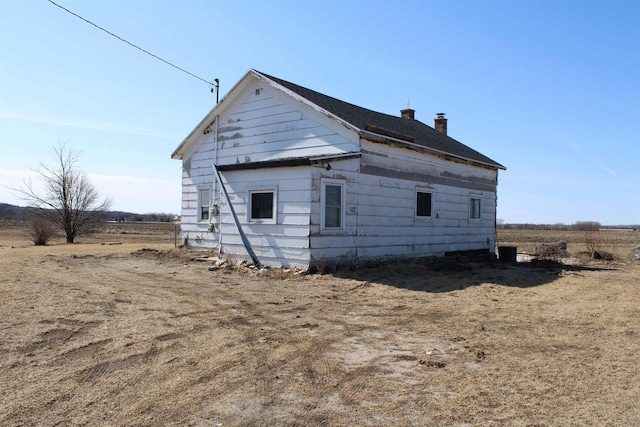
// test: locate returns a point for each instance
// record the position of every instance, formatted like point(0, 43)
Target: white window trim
point(415, 204)
point(343, 210)
point(271, 189)
point(199, 190)
point(478, 197)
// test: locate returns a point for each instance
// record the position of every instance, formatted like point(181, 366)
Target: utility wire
point(129, 43)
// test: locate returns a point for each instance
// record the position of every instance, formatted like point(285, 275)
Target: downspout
point(495, 216)
point(358, 213)
point(219, 185)
point(245, 241)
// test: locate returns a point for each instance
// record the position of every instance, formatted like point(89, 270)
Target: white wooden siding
point(387, 226)
point(287, 241)
point(381, 208)
point(263, 124)
point(260, 124)
point(197, 172)
point(336, 245)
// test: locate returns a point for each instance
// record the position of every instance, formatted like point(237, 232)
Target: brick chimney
point(440, 123)
point(408, 113)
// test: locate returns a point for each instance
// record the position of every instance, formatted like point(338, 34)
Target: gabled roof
point(409, 130)
point(361, 120)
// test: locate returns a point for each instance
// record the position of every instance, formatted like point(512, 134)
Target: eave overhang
point(378, 137)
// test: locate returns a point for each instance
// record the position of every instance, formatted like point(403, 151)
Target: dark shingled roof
point(407, 129)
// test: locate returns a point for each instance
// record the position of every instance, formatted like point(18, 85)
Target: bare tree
point(67, 199)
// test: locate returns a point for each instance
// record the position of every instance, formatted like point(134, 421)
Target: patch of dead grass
point(144, 334)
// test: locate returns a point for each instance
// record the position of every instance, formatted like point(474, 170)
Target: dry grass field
point(617, 242)
point(139, 333)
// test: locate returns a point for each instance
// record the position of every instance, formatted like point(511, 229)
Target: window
point(424, 204)
point(262, 205)
point(475, 207)
point(332, 209)
point(204, 203)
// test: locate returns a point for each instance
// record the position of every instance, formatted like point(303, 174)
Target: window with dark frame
point(261, 205)
point(423, 204)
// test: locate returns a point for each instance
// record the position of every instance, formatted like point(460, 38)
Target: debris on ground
point(551, 251)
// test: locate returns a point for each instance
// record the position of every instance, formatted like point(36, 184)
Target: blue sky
point(550, 89)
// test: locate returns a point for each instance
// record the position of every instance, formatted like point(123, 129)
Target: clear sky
point(550, 89)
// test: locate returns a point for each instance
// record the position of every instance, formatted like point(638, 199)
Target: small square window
point(424, 204)
point(475, 208)
point(262, 205)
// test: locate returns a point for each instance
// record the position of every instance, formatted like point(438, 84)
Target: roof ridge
point(361, 117)
point(278, 79)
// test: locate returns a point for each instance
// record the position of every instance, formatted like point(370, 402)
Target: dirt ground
point(139, 333)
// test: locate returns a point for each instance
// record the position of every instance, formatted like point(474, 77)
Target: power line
point(131, 44)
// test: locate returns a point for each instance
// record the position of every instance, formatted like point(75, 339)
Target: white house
point(315, 180)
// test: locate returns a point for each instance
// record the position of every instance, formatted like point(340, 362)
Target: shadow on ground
point(447, 275)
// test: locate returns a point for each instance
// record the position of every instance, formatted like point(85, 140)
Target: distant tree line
point(577, 226)
point(21, 213)
point(580, 226)
point(134, 217)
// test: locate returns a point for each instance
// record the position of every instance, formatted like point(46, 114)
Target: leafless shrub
point(41, 231)
point(595, 241)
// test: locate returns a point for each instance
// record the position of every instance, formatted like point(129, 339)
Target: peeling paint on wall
point(225, 129)
point(234, 136)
